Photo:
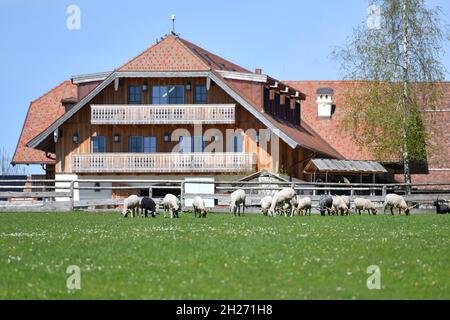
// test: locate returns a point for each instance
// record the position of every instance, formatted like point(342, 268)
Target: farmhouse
point(177, 110)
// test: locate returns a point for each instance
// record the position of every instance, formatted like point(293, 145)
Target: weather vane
point(172, 17)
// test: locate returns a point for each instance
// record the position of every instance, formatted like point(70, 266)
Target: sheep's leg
point(243, 208)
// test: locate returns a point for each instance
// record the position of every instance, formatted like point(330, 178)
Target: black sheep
point(441, 207)
point(325, 204)
point(147, 204)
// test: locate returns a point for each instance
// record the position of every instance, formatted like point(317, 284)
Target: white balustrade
point(162, 162)
point(163, 114)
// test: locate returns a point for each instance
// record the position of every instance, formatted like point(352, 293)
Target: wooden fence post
point(182, 194)
point(72, 195)
point(383, 192)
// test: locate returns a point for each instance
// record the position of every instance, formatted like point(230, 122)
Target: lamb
point(148, 204)
point(199, 207)
point(441, 207)
point(171, 205)
point(393, 200)
point(265, 203)
point(339, 206)
point(325, 204)
point(130, 204)
point(282, 197)
point(304, 204)
point(237, 199)
point(364, 204)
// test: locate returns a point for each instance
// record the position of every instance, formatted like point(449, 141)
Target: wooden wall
point(80, 124)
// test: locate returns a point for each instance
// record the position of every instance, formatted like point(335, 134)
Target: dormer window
point(324, 102)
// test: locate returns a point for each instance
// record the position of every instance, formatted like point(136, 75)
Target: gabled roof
point(176, 57)
point(42, 112)
point(344, 166)
point(173, 53)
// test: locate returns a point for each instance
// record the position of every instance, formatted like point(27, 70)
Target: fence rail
point(60, 194)
point(163, 114)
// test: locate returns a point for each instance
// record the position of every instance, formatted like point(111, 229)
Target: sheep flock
point(285, 202)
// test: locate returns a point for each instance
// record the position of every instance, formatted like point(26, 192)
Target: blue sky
point(288, 39)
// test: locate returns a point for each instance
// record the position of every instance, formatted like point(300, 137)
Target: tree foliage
point(374, 57)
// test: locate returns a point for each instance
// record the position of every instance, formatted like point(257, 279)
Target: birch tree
point(396, 65)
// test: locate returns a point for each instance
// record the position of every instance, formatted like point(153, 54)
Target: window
point(134, 94)
point(149, 144)
point(140, 144)
point(98, 144)
point(236, 144)
point(201, 95)
point(192, 144)
point(168, 94)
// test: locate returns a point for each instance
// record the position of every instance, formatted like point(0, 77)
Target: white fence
point(163, 114)
point(44, 200)
point(162, 162)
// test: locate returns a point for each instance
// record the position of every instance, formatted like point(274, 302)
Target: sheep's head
point(125, 213)
point(374, 211)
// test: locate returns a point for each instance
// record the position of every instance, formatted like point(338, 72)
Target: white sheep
point(304, 203)
point(265, 203)
point(131, 204)
point(171, 205)
point(393, 200)
point(364, 204)
point(199, 207)
point(339, 206)
point(237, 199)
point(346, 200)
point(283, 196)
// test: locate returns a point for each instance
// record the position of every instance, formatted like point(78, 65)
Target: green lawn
point(224, 257)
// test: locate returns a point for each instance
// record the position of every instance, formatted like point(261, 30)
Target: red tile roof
point(41, 114)
point(303, 135)
point(328, 129)
point(173, 53)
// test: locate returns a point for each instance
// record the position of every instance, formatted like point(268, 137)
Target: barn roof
point(344, 166)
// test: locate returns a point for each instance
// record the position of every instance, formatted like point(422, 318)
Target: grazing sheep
point(441, 207)
point(325, 204)
point(131, 204)
point(237, 199)
point(364, 204)
point(346, 200)
point(171, 205)
point(393, 200)
point(265, 203)
point(199, 207)
point(339, 206)
point(148, 204)
point(304, 204)
point(282, 197)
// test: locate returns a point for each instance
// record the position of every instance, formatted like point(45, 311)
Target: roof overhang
point(90, 77)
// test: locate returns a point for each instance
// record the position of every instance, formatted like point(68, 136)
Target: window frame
point(95, 140)
point(159, 99)
point(202, 94)
point(141, 147)
point(134, 94)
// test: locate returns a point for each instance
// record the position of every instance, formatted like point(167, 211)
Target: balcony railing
point(163, 114)
point(162, 162)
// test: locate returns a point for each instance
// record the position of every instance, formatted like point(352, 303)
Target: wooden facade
point(80, 125)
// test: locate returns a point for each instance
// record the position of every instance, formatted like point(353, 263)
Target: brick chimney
point(258, 71)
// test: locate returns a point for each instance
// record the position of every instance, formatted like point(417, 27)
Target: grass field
point(223, 257)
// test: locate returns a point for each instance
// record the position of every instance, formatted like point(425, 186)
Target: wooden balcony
point(163, 114)
point(162, 162)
